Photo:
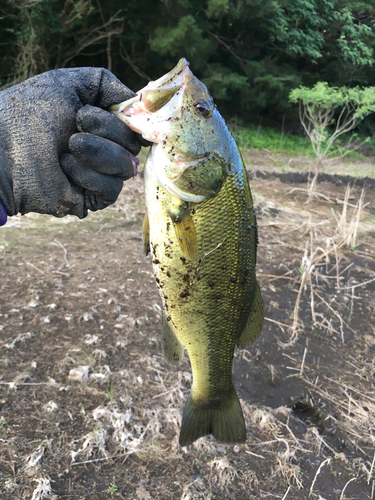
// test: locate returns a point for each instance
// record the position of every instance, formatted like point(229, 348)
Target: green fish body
point(201, 231)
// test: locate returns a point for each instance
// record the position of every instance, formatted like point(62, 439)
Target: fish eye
point(203, 108)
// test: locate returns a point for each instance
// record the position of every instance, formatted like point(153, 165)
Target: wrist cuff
point(3, 215)
point(7, 203)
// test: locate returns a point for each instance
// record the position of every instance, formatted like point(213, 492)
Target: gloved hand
point(60, 153)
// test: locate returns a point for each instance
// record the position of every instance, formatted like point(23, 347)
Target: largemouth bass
point(201, 230)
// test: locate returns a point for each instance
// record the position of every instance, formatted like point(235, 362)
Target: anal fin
point(173, 350)
point(254, 322)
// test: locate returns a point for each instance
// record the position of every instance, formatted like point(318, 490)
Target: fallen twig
point(326, 461)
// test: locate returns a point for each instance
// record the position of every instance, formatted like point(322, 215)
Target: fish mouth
point(156, 94)
point(169, 78)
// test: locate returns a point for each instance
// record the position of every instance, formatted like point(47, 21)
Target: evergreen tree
point(250, 53)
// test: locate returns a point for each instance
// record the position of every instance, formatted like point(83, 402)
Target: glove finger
point(96, 86)
point(99, 122)
point(94, 202)
point(111, 90)
point(102, 155)
point(105, 187)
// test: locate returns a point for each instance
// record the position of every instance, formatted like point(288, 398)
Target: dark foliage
point(249, 53)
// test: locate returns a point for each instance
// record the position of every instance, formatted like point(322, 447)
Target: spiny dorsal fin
point(254, 323)
point(146, 234)
point(173, 350)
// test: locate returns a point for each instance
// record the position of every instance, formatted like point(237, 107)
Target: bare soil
point(80, 295)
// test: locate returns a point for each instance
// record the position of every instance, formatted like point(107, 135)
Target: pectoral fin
point(185, 232)
point(146, 234)
point(254, 323)
point(173, 350)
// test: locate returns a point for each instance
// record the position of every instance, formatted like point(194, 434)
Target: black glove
point(45, 165)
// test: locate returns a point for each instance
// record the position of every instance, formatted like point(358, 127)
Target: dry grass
point(43, 488)
point(355, 409)
point(126, 416)
point(348, 224)
point(322, 281)
point(325, 247)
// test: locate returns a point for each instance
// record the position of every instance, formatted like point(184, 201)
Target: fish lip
point(119, 108)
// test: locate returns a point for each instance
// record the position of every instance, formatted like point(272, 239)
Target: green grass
point(251, 136)
point(112, 488)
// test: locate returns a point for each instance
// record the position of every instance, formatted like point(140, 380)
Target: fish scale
point(201, 231)
point(208, 317)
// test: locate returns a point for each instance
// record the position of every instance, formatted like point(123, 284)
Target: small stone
point(99, 353)
point(50, 407)
point(79, 374)
point(236, 449)
point(52, 382)
point(30, 471)
point(91, 339)
point(87, 316)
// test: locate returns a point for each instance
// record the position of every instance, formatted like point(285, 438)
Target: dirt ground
point(78, 300)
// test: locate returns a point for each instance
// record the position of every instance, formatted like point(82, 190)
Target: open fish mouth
point(156, 95)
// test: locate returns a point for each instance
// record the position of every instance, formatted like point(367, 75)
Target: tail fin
point(226, 424)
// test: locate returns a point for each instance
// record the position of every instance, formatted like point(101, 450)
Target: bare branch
point(95, 35)
point(229, 49)
point(125, 56)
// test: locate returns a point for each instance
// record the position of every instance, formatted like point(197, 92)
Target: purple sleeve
point(3, 215)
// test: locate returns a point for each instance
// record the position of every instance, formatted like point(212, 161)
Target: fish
point(201, 231)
